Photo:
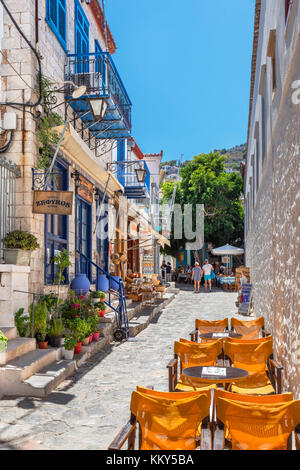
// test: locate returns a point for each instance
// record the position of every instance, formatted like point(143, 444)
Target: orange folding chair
point(190, 354)
point(167, 421)
point(207, 326)
point(256, 357)
point(249, 329)
point(222, 435)
point(257, 426)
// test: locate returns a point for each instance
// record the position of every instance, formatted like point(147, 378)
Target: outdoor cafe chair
point(190, 354)
point(221, 434)
point(249, 329)
point(208, 326)
point(257, 424)
point(256, 357)
point(166, 421)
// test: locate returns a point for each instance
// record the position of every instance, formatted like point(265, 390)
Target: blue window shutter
point(62, 18)
point(56, 19)
point(53, 11)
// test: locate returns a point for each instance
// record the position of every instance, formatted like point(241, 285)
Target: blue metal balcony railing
point(99, 74)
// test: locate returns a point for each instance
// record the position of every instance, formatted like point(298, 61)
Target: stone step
point(9, 332)
point(40, 385)
point(16, 348)
point(28, 364)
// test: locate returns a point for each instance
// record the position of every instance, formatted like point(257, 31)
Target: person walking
point(163, 270)
point(206, 271)
point(196, 277)
point(168, 271)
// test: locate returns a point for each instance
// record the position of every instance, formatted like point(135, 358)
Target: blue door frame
point(103, 244)
point(83, 235)
point(56, 226)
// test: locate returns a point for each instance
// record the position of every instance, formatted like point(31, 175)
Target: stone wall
point(273, 240)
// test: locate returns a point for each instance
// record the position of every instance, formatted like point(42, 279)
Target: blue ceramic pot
point(103, 283)
point(113, 284)
point(80, 284)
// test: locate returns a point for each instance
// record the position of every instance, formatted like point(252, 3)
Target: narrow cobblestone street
point(87, 410)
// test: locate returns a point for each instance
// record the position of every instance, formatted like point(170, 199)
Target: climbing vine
point(47, 137)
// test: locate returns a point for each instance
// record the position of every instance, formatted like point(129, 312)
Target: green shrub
point(3, 342)
point(56, 327)
point(21, 240)
point(22, 323)
point(70, 343)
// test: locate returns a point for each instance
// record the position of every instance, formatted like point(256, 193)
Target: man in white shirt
point(206, 271)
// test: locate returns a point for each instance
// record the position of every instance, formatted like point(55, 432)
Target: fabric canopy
point(227, 250)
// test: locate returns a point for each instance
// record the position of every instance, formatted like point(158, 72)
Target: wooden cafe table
point(215, 374)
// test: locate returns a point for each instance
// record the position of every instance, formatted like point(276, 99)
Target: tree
point(204, 181)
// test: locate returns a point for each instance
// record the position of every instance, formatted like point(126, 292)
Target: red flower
point(75, 316)
point(76, 306)
point(82, 297)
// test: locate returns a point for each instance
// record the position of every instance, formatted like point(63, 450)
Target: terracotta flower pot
point(43, 344)
point(86, 341)
point(96, 336)
point(77, 349)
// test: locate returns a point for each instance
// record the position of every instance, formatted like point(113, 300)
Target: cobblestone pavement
point(88, 409)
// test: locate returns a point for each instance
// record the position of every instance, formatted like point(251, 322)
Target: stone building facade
point(19, 69)
point(272, 182)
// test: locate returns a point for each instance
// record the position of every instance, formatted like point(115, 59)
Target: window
point(121, 158)
point(56, 226)
point(81, 39)
point(100, 65)
point(56, 19)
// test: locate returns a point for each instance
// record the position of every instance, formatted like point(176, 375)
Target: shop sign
point(52, 202)
point(85, 190)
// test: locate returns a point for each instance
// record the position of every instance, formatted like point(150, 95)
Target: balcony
point(98, 73)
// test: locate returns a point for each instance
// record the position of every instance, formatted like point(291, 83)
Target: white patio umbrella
point(227, 250)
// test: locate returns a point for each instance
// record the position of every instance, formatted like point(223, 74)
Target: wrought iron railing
point(98, 73)
point(121, 310)
point(8, 174)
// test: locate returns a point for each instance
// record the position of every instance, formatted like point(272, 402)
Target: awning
point(80, 153)
point(227, 250)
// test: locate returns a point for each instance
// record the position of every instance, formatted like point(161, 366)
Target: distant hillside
point(236, 155)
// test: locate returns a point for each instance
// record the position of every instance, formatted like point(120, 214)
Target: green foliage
point(51, 300)
point(56, 327)
point(70, 343)
point(97, 294)
point(79, 328)
point(204, 181)
point(22, 323)
point(42, 334)
point(21, 240)
point(3, 342)
point(38, 315)
point(93, 321)
point(62, 262)
point(48, 138)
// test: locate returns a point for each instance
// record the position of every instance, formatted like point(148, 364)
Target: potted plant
point(41, 337)
point(55, 332)
point(18, 246)
point(3, 342)
point(78, 329)
point(22, 323)
point(94, 324)
point(38, 317)
point(101, 307)
point(97, 296)
point(69, 345)
point(87, 332)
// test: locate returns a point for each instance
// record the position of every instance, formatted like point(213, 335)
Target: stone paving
point(88, 409)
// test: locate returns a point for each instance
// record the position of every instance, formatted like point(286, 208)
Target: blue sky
point(186, 67)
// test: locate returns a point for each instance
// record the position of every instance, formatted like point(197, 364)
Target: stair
point(17, 347)
point(27, 371)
